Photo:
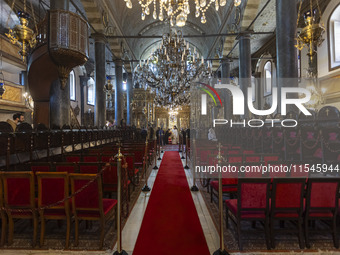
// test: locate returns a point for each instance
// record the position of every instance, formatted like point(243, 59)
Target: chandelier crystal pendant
point(310, 35)
point(170, 69)
point(177, 11)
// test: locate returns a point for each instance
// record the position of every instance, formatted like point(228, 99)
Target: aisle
point(171, 224)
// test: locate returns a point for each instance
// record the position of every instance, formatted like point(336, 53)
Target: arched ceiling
point(130, 23)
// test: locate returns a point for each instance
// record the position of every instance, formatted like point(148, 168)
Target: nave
point(155, 223)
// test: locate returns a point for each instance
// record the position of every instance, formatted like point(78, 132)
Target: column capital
point(244, 35)
point(118, 62)
point(226, 60)
point(99, 37)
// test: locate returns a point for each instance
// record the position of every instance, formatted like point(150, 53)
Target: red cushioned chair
point(89, 203)
point(287, 205)
point(322, 204)
point(91, 158)
point(252, 205)
point(2, 215)
point(68, 167)
point(110, 182)
point(268, 158)
point(75, 158)
point(40, 167)
point(229, 186)
point(133, 171)
point(252, 158)
point(52, 188)
point(90, 167)
point(18, 189)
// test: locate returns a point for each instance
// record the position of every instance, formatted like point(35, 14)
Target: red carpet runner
point(171, 225)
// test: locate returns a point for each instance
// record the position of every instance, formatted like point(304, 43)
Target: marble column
point(287, 63)
point(225, 69)
point(225, 75)
point(100, 79)
point(59, 4)
point(286, 16)
point(129, 99)
point(59, 105)
point(245, 69)
point(119, 99)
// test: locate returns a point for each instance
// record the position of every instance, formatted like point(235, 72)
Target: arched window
point(267, 78)
point(72, 86)
point(90, 92)
point(334, 39)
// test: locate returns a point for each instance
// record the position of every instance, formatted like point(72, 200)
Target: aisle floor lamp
point(221, 250)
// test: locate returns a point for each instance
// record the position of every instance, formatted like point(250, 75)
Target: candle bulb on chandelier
point(202, 60)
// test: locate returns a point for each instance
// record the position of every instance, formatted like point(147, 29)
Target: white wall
point(323, 55)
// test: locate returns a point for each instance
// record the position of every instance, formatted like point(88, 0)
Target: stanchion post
point(119, 251)
point(179, 142)
point(182, 148)
point(194, 187)
point(155, 151)
point(221, 250)
point(159, 155)
point(186, 155)
point(146, 188)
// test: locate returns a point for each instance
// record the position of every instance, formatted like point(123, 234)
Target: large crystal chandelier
point(171, 68)
point(177, 10)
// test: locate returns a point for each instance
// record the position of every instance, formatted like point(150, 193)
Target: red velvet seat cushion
point(232, 206)
point(214, 185)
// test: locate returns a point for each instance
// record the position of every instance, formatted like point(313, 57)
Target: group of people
point(17, 119)
point(167, 137)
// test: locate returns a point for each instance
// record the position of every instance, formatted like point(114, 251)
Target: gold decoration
point(311, 35)
point(22, 35)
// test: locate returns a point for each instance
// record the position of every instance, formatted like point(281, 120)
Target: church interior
point(169, 127)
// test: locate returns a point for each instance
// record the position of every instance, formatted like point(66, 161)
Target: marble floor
point(132, 226)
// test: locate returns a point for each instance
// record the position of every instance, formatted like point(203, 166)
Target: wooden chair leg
point(306, 233)
point(335, 236)
point(102, 233)
point(267, 234)
point(68, 228)
point(3, 230)
point(300, 234)
point(226, 217)
point(10, 230)
point(239, 235)
point(76, 231)
point(272, 237)
point(35, 230)
point(42, 231)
